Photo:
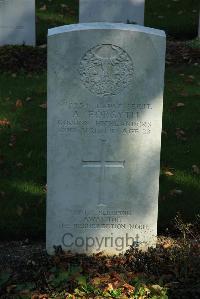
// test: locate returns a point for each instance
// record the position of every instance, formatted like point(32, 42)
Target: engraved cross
point(102, 164)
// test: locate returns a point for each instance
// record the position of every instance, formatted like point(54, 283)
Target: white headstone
point(115, 11)
point(105, 99)
point(17, 22)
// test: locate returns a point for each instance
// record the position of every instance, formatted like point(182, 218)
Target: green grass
point(22, 187)
point(178, 18)
point(54, 15)
point(22, 155)
point(182, 86)
point(23, 143)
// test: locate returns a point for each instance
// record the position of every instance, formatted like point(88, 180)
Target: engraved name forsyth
point(106, 70)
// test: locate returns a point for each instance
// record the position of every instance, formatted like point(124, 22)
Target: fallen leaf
point(43, 8)
point(43, 46)
point(167, 244)
point(19, 211)
point(4, 122)
point(180, 105)
point(109, 287)
point(164, 132)
point(44, 106)
point(168, 173)
point(45, 188)
point(195, 169)
point(70, 296)
point(180, 134)
point(96, 281)
point(12, 140)
point(44, 296)
point(28, 99)
point(176, 192)
point(19, 103)
point(29, 154)
point(26, 130)
point(184, 94)
point(2, 194)
point(129, 287)
point(180, 12)
point(191, 77)
point(156, 288)
point(63, 5)
point(19, 164)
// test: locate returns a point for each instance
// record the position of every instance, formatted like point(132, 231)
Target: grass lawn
point(23, 151)
point(178, 17)
point(22, 154)
point(173, 266)
point(180, 181)
point(23, 127)
point(54, 13)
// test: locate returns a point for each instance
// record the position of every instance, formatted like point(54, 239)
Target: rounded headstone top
point(102, 25)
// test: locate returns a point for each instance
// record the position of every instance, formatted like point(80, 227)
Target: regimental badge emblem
point(106, 70)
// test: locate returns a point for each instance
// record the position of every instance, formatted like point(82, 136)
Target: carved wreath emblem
point(106, 70)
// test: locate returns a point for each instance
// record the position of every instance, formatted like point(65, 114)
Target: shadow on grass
point(22, 195)
point(22, 212)
point(178, 18)
point(22, 157)
point(179, 194)
point(22, 187)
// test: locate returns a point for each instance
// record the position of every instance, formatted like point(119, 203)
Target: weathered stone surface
point(105, 98)
point(17, 22)
point(115, 11)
